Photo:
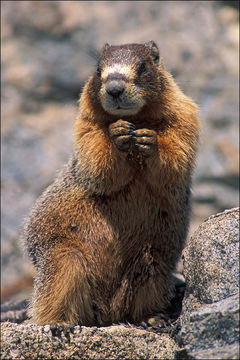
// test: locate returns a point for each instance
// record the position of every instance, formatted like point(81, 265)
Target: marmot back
point(105, 237)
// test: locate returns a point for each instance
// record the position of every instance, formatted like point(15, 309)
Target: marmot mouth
point(120, 106)
point(122, 111)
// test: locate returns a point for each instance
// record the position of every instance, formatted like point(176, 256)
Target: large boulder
point(210, 316)
point(211, 259)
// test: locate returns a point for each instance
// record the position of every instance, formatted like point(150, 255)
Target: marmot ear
point(106, 46)
point(152, 46)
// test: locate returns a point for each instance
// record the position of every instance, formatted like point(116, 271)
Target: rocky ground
point(48, 51)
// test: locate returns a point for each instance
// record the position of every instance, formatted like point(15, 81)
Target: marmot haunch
point(105, 237)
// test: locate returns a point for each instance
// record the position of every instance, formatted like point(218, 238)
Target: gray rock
point(210, 316)
point(113, 342)
point(230, 352)
point(211, 258)
point(212, 329)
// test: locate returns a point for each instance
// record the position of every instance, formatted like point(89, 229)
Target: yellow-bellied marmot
point(109, 231)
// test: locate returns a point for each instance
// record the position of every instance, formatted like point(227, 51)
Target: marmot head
point(127, 77)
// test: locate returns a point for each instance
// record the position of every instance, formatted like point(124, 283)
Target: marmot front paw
point(122, 132)
point(145, 141)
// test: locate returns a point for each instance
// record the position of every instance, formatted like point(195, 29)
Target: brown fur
point(106, 235)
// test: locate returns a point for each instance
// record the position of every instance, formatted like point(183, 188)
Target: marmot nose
point(115, 88)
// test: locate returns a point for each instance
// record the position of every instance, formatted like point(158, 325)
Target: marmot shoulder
point(105, 237)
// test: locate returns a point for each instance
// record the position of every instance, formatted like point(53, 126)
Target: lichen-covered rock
point(113, 342)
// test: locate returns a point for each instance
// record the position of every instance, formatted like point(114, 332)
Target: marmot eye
point(142, 68)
